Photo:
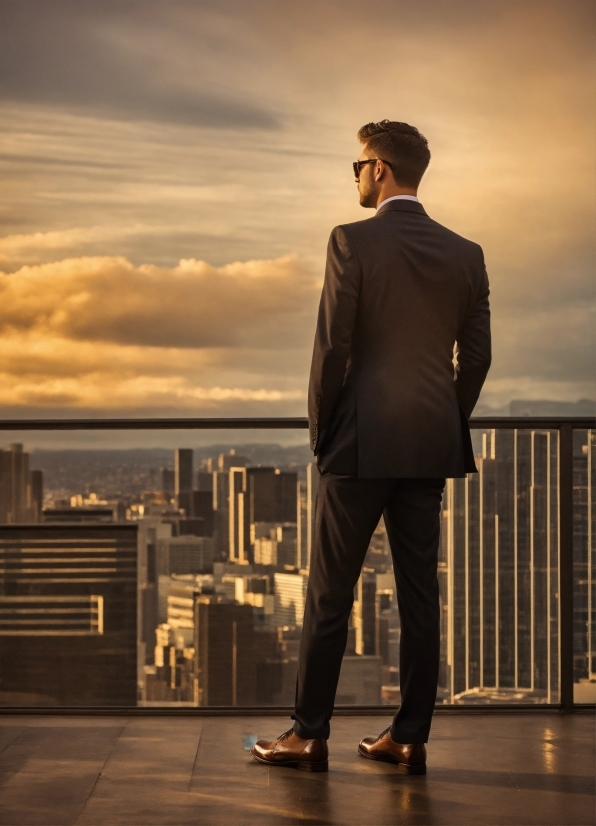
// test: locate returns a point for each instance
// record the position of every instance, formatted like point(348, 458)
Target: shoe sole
point(403, 768)
point(301, 765)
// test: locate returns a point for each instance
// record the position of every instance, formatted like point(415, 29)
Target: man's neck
point(392, 192)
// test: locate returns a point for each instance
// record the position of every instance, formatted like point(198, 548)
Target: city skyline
point(223, 545)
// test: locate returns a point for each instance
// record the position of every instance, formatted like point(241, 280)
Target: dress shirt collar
point(398, 198)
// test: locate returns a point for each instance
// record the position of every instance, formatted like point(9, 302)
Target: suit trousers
point(347, 511)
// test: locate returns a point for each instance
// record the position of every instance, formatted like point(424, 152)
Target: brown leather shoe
point(291, 750)
point(410, 759)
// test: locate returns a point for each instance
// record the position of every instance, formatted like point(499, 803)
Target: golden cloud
point(193, 305)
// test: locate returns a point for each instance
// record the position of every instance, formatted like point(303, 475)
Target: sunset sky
point(171, 172)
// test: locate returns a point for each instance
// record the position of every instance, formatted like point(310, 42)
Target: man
point(388, 416)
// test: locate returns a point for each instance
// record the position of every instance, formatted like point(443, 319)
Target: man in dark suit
point(388, 415)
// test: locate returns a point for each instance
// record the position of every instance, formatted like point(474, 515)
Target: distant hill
point(539, 407)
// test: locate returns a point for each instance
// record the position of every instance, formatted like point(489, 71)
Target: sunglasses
point(356, 165)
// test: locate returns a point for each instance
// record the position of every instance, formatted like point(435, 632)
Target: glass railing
point(162, 577)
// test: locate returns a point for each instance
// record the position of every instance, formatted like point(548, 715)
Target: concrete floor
point(492, 769)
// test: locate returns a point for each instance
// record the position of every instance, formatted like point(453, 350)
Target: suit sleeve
point(473, 349)
point(333, 337)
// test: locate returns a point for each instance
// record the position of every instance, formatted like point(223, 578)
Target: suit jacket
point(384, 397)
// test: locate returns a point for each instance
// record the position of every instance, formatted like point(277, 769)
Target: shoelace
point(285, 735)
point(383, 733)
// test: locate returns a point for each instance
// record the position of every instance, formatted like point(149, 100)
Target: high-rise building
point(205, 480)
point(312, 487)
point(224, 669)
point(21, 489)
point(226, 461)
point(184, 555)
point(201, 507)
point(183, 475)
point(290, 598)
point(263, 508)
point(68, 614)
point(262, 494)
point(301, 549)
point(499, 570)
point(274, 544)
point(286, 496)
point(239, 542)
point(221, 508)
point(365, 614)
point(584, 564)
point(167, 482)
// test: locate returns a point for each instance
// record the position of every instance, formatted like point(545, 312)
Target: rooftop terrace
point(491, 768)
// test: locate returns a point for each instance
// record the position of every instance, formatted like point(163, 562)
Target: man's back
point(406, 289)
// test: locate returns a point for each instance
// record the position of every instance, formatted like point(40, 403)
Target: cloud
point(102, 334)
point(105, 59)
point(252, 303)
point(107, 389)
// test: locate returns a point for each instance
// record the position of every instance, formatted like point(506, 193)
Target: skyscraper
point(290, 598)
point(312, 487)
point(68, 614)
point(225, 668)
point(183, 475)
point(584, 562)
point(499, 570)
point(20, 488)
point(365, 614)
point(221, 507)
point(239, 543)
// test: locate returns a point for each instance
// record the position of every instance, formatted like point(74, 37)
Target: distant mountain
point(544, 407)
point(539, 407)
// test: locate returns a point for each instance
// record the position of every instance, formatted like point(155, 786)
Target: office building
point(312, 487)
point(229, 460)
point(364, 615)
point(290, 598)
point(21, 489)
point(499, 571)
point(68, 614)
point(584, 565)
point(167, 482)
point(204, 480)
point(221, 515)
point(239, 543)
point(185, 554)
point(286, 496)
point(183, 473)
point(224, 663)
point(359, 681)
point(274, 544)
point(263, 508)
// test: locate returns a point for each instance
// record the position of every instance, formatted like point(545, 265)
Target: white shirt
point(398, 198)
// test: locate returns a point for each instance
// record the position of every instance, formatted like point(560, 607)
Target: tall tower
point(182, 471)
point(225, 671)
point(312, 487)
point(237, 515)
point(500, 545)
point(20, 488)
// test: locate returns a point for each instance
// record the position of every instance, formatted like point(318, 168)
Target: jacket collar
point(402, 206)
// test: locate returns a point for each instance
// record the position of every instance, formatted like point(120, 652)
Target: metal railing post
point(566, 565)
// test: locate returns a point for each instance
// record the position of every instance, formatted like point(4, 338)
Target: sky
point(171, 171)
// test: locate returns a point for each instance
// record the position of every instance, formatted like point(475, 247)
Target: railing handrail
point(272, 423)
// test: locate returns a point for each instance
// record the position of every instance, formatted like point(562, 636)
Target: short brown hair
point(402, 145)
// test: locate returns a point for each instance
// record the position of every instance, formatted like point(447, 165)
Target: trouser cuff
point(309, 734)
